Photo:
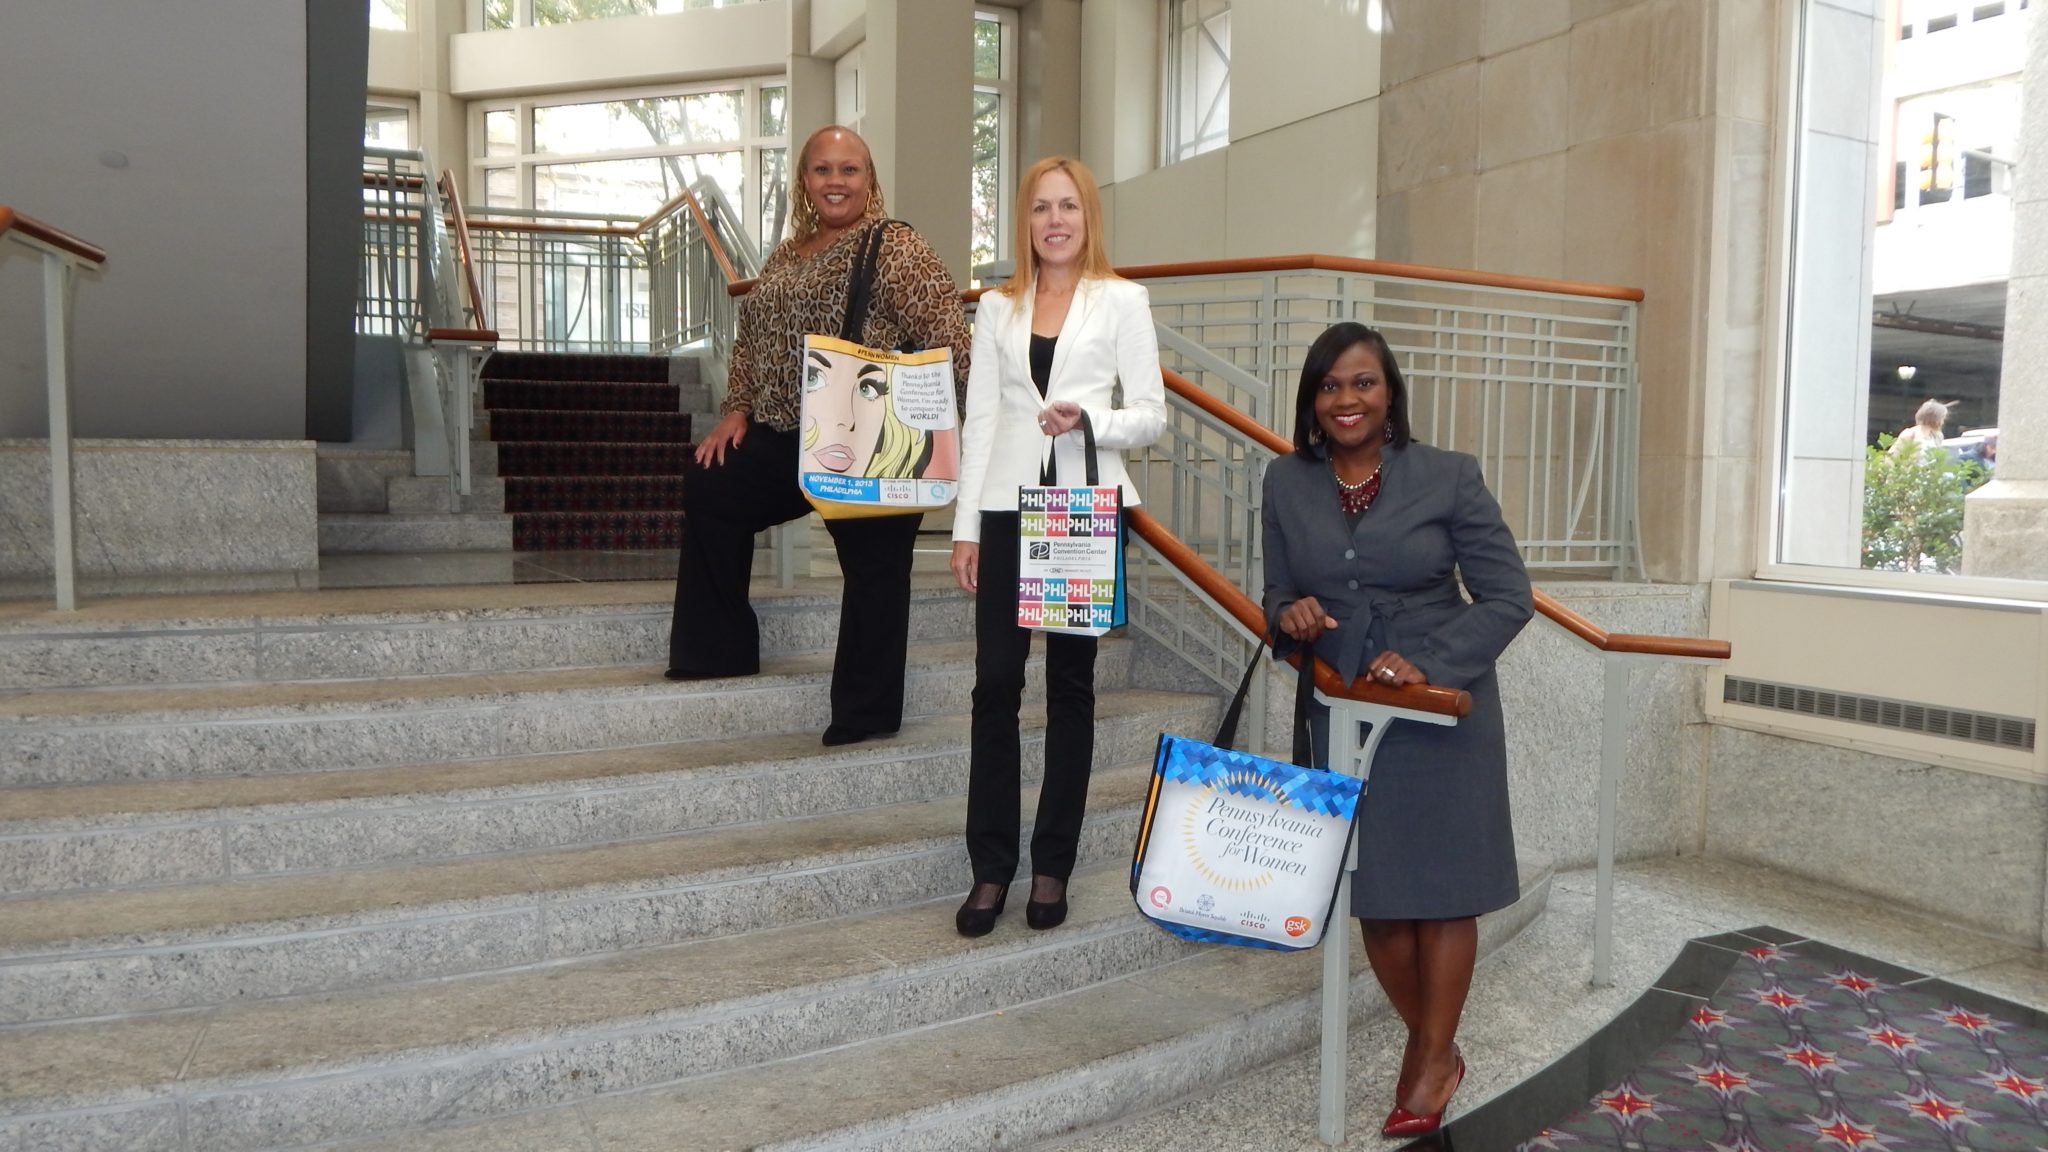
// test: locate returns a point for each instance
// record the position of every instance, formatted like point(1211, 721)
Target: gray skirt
point(1436, 840)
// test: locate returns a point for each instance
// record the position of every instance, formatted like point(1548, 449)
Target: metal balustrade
point(1537, 379)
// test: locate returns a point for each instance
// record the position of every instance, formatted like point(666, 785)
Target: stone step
point(121, 836)
point(417, 532)
point(407, 632)
point(106, 735)
point(111, 954)
point(1006, 1076)
point(294, 1071)
point(406, 495)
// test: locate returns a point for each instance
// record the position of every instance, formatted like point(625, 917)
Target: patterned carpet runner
point(592, 449)
point(1800, 1046)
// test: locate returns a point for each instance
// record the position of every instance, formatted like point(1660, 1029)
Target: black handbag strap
point(1304, 692)
point(1049, 469)
point(860, 289)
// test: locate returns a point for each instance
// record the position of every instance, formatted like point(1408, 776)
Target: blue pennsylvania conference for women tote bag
point(1236, 848)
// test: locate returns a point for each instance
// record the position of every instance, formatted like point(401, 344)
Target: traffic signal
point(1938, 158)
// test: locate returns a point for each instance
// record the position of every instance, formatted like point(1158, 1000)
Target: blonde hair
point(1094, 251)
point(803, 215)
point(900, 450)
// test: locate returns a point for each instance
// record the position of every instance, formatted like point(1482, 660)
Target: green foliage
point(1913, 506)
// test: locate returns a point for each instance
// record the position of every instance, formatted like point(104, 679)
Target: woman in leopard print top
point(747, 475)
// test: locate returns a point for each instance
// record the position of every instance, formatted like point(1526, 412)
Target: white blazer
point(1107, 336)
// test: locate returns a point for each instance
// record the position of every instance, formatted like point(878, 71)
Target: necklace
point(1356, 498)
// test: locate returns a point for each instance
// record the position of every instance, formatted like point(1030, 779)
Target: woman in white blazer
point(1049, 346)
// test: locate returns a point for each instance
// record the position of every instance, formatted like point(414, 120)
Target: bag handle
point(1304, 691)
point(1049, 468)
point(860, 288)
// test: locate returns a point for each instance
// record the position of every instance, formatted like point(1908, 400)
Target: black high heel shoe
point(1043, 914)
point(970, 921)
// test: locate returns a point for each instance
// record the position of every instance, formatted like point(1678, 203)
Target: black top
point(1041, 359)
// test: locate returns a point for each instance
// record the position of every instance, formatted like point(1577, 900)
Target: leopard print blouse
point(914, 300)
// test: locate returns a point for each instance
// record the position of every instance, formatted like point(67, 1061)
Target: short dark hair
point(1336, 340)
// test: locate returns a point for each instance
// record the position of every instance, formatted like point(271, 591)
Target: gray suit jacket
point(1435, 835)
point(1393, 583)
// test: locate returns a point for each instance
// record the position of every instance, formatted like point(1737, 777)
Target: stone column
point(2005, 523)
point(1049, 89)
point(920, 117)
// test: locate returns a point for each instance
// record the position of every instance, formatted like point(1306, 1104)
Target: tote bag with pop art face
point(879, 432)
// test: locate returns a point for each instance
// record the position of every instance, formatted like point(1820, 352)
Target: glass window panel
point(774, 196)
point(391, 14)
point(620, 125)
point(631, 187)
point(501, 133)
point(497, 14)
point(386, 128)
point(1898, 294)
point(988, 50)
point(774, 111)
point(501, 188)
point(985, 215)
point(572, 11)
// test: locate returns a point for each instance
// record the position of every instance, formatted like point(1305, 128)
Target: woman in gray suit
point(1367, 534)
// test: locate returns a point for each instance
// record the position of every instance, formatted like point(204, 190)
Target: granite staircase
point(457, 869)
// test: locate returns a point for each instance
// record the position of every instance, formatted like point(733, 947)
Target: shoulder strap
point(860, 287)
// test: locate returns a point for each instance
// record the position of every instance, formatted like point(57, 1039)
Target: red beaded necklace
point(1356, 498)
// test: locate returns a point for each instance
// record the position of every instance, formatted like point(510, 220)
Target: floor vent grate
point(1878, 712)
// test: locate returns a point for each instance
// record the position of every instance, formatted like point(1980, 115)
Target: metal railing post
point(63, 505)
point(1355, 731)
point(1614, 704)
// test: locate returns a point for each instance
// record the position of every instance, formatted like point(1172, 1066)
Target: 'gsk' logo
point(1161, 898)
point(1297, 925)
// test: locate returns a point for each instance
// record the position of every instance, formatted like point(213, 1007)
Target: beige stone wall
point(1614, 141)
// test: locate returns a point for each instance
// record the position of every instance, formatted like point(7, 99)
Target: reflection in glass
point(616, 125)
point(1902, 252)
point(988, 50)
point(774, 197)
point(571, 11)
point(774, 110)
point(501, 133)
point(634, 186)
point(501, 188)
point(386, 127)
point(985, 218)
point(497, 14)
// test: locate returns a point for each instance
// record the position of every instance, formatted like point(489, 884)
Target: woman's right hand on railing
point(728, 434)
point(1305, 620)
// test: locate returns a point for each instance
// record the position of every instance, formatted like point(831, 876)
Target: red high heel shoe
point(1402, 1122)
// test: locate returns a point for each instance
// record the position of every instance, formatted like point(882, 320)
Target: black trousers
point(715, 631)
point(994, 783)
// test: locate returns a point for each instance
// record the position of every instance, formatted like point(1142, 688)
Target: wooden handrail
point(732, 274)
point(34, 229)
point(461, 221)
point(1419, 697)
point(1684, 647)
point(489, 225)
point(1594, 635)
point(1312, 262)
point(463, 335)
point(393, 179)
